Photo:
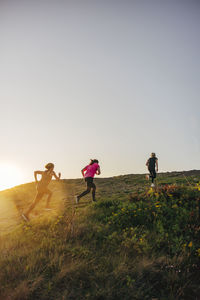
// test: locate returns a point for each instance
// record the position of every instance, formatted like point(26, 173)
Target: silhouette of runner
point(42, 187)
point(152, 165)
point(88, 173)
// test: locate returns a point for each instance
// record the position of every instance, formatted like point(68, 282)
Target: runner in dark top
point(152, 165)
point(42, 187)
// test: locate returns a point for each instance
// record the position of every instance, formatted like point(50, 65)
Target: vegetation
point(135, 242)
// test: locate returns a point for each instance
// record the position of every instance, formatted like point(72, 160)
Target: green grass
point(134, 243)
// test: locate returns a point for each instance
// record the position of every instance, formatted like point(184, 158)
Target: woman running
point(152, 165)
point(88, 173)
point(42, 187)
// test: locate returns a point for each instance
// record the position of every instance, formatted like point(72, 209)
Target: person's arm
point(156, 165)
point(98, 172)
point(147, 163)
point(83, 170)
point(57, 177)
point(37, 173)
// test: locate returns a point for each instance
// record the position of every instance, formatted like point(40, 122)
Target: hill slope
point(14, 201)
point(134, 243)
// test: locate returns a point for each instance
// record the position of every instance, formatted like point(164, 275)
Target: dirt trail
point(9, 215)
point(15, 201)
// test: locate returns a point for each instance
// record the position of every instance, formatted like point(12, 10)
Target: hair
point(153, 154)
point(92, 161)
point(49, 166)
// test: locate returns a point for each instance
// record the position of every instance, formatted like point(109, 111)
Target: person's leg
point(49, 193)
point(93, 191)
point(36, 200)
point(87, 190)
point(152, 175)
point(84, 193)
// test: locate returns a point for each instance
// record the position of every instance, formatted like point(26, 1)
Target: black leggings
point(90, 185)
point(152, 174)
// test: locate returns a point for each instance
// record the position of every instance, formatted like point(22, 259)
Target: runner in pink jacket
point(88, 173)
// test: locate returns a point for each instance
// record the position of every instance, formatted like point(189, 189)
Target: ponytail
point(92, 161)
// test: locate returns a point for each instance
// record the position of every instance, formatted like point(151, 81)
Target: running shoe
point(152, 185)
point(77, 199)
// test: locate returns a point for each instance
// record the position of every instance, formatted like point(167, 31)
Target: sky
point(106, 79)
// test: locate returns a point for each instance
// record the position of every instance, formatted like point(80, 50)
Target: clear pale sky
point(112, 80)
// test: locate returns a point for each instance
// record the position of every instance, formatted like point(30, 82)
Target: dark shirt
point(152, 163)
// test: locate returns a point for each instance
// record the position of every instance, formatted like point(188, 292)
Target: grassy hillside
point(134, 243)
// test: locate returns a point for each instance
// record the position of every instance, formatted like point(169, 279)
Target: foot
point(94, 200)
point(152, 185)
point(25, 217)
point(77, 199)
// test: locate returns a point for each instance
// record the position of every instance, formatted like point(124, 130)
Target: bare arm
point(98, 172)
point(37, 173)
point(156, 165)
point(83, 170)
point(57, 177)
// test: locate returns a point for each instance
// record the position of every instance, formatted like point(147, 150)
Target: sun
point(10, 175)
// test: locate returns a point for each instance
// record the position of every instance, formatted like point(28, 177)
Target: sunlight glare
point(10, 175)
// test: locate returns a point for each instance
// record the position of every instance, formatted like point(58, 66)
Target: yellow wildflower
point(190, 244)
point(198, 251)
point(150, 191)
point(174, 206)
